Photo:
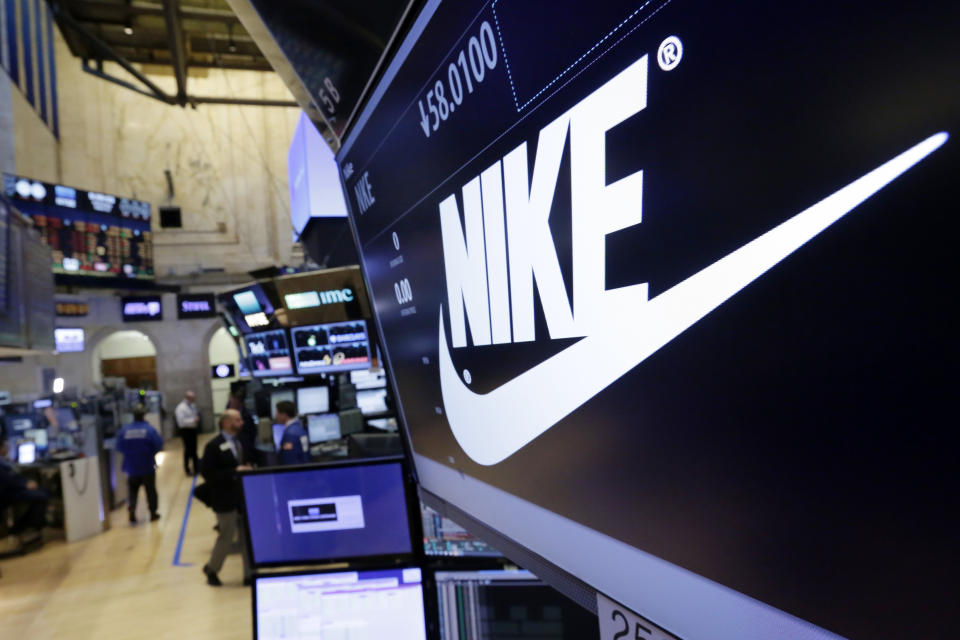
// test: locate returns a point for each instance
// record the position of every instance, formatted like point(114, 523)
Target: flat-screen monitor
point(327, 514)
point(27, 452)
point(371, 401)
point(368, 378)
point(661, 286)
point(269, 354)
point(141, 308)
point(384, 424)
point(250, 308)
point(490, 605)
point(38, 437)
point(18, 423)
point(323, 348)
point(196, 305)
point(355, 605)
point(313, 400)
point(68, 340)
point(323, 427)
point(66, 420)
point(444, 537)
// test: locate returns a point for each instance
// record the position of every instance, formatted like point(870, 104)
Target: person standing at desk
point(188, 422)
point(223, 457)
point(294, 445)
point(139, 443)
point(15, 489)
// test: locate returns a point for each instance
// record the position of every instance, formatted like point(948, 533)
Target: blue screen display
point(327, 514)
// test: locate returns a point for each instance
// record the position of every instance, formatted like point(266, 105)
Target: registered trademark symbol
point(467, 377)
point(670, 53)
point(396, 241)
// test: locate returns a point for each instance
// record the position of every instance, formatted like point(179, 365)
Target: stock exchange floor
point(129, 582)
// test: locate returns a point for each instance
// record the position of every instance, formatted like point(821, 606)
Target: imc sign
point(196, 305)
point(141, 308)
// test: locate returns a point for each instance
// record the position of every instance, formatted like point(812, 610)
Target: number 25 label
point(619, 623)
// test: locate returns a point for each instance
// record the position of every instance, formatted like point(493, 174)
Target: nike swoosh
point(493, 426)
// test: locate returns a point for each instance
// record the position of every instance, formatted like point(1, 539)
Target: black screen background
point(798, 444)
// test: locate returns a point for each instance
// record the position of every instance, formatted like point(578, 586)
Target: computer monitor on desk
point(482, 605)
point(368, 605)
point(323, 427)
point(328, 513)
point(26, 453)
point(313, 400)
point(372, 401)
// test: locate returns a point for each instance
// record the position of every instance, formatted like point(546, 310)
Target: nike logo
point(493, 426)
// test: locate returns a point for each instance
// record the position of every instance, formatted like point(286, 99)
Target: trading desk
point(79, 489)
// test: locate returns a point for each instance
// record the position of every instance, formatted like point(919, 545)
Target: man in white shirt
point(188, 422)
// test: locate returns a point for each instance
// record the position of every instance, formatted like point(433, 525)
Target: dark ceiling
point(179, 34)
point(138, 30)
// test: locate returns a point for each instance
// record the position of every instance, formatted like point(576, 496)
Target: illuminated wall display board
point(221, 371)
point(196, 305)
point(269, 354)
point(250, 308)
point(68, 340)
point(89, 233)
point(141, 308)
point(664, 289)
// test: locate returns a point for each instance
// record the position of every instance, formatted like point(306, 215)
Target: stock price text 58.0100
point(469, 67)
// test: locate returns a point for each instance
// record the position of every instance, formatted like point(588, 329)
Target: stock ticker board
point(668, 280)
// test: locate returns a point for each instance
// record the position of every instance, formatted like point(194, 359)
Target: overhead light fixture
point(58, 385)
point(128, 29)
point(231, 45)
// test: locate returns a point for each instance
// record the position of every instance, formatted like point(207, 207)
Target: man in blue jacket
point(294, 445)
point(139, 442)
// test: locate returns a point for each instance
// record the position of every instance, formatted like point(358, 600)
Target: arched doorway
point(222, 350)
point(130, 355)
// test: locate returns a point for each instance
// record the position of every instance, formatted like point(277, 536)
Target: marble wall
point(6, 126)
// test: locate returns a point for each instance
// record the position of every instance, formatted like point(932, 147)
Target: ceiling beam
point(142, 8)
point(178, 51)
point(104, 50)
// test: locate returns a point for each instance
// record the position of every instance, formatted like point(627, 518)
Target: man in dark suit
point(222, 458)
point(248, 435)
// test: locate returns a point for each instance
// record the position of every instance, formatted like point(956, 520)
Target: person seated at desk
point(139, 443)
point(294, 445)
point(14, 490)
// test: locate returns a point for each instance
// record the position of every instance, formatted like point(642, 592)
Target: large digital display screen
point(141, 308)
point(313, 177)
point(359, 605)
point(250, 308)
point(339, 346)
point(668, 280)
point(327, 514)
point(269, 354)
point(89, 233)
point(196, 305)
point(68, 340)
